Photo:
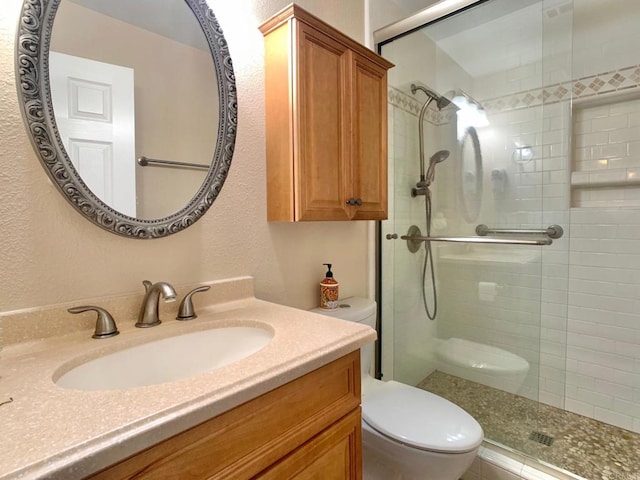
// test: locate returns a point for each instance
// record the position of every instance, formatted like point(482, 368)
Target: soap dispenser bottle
point(329, 290)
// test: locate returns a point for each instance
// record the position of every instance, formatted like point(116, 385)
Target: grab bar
point(144, 161)
point(552, 231)
point(507, 241)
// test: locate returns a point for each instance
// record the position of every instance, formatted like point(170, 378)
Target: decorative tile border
point(399, 99)
point(602, 83)
point(410, 104)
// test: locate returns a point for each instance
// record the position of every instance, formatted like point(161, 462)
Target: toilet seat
point(420, 419)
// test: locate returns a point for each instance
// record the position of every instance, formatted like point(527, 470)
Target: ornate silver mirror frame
point(32, 75)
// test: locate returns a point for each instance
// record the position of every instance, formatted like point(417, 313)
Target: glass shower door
point(490, 155)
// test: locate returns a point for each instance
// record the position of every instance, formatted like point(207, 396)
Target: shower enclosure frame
point(576, 302)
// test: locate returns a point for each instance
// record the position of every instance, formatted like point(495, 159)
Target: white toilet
point(407, 433)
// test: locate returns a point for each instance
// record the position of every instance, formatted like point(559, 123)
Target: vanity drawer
point(248, 439)
point(333, 454)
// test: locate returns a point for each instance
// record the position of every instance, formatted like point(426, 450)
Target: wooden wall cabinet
point(326, 122)
point(307, 428)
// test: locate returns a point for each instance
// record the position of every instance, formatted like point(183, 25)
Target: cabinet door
point(369, 139)
point(334, 454)
point(252, 437)
point(322, 127)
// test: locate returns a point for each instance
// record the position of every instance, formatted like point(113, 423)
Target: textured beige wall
point(50, 254)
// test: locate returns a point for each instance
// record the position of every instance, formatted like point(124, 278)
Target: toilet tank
point(353, 309)
point(359, 310)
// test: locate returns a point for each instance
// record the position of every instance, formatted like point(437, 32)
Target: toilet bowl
point(407, 433)
point(481, 363)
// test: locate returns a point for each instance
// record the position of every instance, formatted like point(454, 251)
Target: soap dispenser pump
point(329, 290)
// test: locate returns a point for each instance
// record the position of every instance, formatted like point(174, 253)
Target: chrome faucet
point(148, 316)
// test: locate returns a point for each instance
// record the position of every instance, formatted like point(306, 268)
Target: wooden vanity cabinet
point(326, 122)
point(307, 428)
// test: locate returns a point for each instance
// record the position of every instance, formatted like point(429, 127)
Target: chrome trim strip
point(437, 10)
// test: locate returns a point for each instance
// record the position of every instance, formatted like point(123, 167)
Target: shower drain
point(541, 438)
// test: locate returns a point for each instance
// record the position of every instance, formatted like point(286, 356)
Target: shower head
point(438, 157)
point(441, 101)
point(428, 92)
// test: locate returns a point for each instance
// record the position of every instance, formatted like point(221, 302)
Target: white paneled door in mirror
point(94, 105)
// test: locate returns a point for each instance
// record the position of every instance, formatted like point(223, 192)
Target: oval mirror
point(131, 106)
point(470, 179)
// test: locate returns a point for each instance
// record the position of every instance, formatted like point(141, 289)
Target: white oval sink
point(166, 360)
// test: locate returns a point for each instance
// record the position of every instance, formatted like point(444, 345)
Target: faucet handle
point(186, 310)
point(147, 285)
point(105, 325)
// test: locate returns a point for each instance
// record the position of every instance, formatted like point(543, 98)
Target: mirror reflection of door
point(94, 105)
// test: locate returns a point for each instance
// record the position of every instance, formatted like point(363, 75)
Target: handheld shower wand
point(422, 188)
point(438, 157)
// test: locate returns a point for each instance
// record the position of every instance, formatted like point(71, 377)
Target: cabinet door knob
point(354, 201)
point(358, 201)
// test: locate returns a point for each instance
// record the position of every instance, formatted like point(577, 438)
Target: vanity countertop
point(51, 432)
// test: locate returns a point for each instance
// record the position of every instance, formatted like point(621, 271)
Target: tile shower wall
point(603, 357)
point(603, 332)
point(590, 358)
point(603, 354)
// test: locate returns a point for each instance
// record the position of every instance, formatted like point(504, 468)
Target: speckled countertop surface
point(51, 432)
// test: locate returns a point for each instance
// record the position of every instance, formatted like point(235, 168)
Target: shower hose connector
point(421, 188)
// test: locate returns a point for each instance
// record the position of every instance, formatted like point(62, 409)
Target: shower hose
point(428, 263)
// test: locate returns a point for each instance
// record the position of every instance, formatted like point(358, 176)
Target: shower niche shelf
point(615, 177)
point(326, 121)
point(605, 167)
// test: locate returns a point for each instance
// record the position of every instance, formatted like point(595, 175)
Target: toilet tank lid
point(420, 419)
point(353, 309)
